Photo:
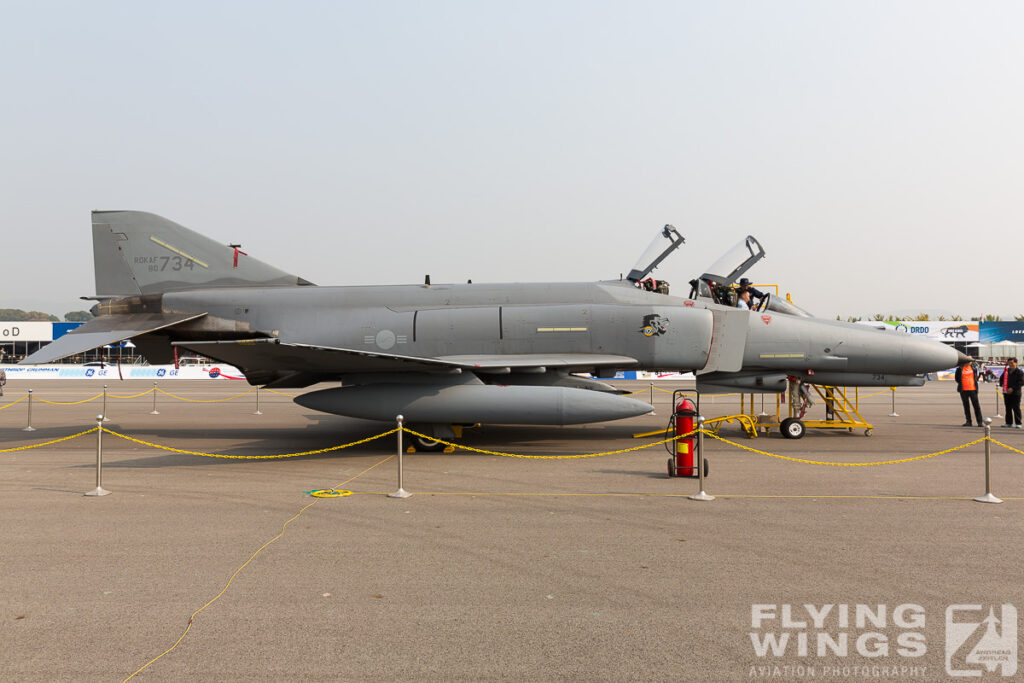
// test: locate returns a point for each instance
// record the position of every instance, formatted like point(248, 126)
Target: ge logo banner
point(978, 640)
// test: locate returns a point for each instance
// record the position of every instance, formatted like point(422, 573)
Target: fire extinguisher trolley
point(682, 424)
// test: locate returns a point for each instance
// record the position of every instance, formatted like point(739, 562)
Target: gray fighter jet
point(458, 354)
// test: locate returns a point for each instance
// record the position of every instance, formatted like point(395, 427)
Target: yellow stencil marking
point(179, 252)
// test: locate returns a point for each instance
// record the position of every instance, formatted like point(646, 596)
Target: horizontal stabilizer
point(106, 329)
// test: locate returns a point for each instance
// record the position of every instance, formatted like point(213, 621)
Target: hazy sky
point(876, 149)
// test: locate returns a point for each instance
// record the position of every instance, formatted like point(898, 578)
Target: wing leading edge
point(290, 361)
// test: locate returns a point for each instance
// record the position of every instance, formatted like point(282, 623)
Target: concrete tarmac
point(496, 568)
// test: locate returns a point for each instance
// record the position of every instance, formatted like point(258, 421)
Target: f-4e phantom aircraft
point(461, 354)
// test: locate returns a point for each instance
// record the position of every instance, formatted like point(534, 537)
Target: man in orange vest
point(967, 385)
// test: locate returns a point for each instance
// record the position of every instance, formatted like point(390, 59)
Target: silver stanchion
point(401, 492)
point(30, 428)
point(258, 411)
point(154, 411)
point(988, 497)
point(762, 413)
point(893, 413)
point(98, 491)
point(700, 461)
point(104, 415)
point(652, 399)
point(997, 403)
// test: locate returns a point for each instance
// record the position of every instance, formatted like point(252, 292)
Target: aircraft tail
point(141, 253)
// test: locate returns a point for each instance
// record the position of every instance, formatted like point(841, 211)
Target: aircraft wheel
point(792, 428)
point(425, 445)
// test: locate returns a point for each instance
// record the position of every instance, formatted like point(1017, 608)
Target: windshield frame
point(648, 261)
point(748, 245)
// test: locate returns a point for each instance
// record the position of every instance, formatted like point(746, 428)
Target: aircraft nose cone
point(922, 355)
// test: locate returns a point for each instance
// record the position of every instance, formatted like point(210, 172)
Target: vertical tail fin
point(141, 253)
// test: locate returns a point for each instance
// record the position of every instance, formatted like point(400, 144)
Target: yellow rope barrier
point(215, 400)
point(147, 391)
point(845, 464)
point(23, 398)
point(248, 457)
point(1009, 448)
point(549, 457)
point(192, 618)
point(49, 443)
point(67, 403)
point(279, 393)
point(877, 393)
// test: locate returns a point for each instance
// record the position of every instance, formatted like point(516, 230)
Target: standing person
point(3, 381)
point(967, 385)
point(1012, 381)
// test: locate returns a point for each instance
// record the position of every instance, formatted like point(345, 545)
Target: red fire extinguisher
point(684, 462)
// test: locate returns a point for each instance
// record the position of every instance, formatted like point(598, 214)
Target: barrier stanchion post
point(700, 461)
point(104, 415)
point(997, 403)
point(893, 413)
point(652, 399)
point(30, 428)
point(988, 497)
point(154, 411)
point(98, 491)
point(258, 411)
point(401, 492)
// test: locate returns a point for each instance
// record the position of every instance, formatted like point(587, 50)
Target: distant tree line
point(16, 314)
point(879, 317)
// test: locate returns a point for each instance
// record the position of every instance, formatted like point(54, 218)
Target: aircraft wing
point(106, 329)
point(272, 354)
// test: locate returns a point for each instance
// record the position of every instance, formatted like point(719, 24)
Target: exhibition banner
point(993, 332)
point(939, 330)
point(26, 331)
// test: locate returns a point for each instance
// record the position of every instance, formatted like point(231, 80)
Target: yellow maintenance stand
point(840, 411)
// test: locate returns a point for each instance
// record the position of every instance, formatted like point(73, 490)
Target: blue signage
point(992, 332)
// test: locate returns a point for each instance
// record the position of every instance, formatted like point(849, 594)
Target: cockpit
point(723, 283)
point(655, 253)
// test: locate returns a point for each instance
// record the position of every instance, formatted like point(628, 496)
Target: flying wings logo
point(975, 641)
point(654, 325)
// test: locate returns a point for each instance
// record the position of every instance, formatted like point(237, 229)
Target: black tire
point(792, 428)
point(671, 469)
point(424, 445)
